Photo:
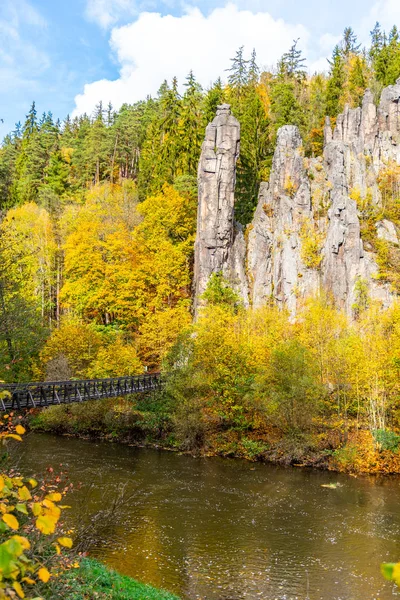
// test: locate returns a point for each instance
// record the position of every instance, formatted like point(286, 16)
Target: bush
point(290, 388)
point(345, 457)
point(386, 440)
point(253, 448)
point(189, 426)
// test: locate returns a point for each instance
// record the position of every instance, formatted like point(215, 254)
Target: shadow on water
point(220, 529)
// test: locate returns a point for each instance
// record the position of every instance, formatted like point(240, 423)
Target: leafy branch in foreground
point(31, 539)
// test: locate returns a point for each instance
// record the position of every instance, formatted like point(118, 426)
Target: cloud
point(107, 12)
point(156, 47)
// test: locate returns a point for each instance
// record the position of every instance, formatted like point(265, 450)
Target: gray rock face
point(276, 264)
point(386, 230)
point(219, 243)
point(306, 234)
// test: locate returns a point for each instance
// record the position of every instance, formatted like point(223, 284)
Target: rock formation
point(220, 243)
point(306, 234)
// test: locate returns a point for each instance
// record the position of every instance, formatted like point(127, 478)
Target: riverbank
point(95, 580)
point(147, 423)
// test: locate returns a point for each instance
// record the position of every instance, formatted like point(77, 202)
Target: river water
point(222, 529)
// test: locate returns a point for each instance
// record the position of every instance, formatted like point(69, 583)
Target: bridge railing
point(47, 393)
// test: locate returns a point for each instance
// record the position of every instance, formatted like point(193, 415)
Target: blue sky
point(67, 55)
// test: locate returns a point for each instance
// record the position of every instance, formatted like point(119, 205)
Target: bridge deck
point(31, 395)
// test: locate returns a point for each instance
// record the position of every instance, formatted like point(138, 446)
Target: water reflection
point(228, 529)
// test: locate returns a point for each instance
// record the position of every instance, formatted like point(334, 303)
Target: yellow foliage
point(75, 341)
point(116, 359)
point(311, 245)
point(160, 331)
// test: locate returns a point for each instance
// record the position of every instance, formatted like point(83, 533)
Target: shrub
point(311, 245)
point(386, 439)
point(289, 387)
point(253, 448)
point(189, 426)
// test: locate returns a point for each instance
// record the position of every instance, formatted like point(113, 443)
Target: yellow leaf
point(65, 541)
point(11, 521)
point(54, 497)
point(36, 509)
point(18, 588)
point(51, 509)
point(28, 580)
point(2, 484)
point(44, 575)
point(58, 549)
point(23, 541)
point(46, 524)
point(14, 437)
point(19, 429)
point(24, 493)
point(32, 482)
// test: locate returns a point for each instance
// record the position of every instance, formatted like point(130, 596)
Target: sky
point(67, 55)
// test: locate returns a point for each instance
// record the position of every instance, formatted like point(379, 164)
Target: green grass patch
point(95, 581)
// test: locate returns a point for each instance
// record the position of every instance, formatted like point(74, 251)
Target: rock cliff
point(220, 242)
point(320, 222)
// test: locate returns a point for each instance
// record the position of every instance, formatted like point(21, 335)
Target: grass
point(95, 581)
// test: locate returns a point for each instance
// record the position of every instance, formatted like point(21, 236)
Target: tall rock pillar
point(219, 243)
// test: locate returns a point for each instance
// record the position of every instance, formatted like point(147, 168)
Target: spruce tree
point(336, 81)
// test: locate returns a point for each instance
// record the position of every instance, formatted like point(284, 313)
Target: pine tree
point(238, 77)
point(213, 98)
point(292, 63)
point(349, 43)
point(335, 84)
point(191, 126)
point(377, 41)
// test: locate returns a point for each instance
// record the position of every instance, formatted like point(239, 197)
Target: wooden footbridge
point(32, 395)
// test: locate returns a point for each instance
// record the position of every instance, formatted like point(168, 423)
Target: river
point(224, 529)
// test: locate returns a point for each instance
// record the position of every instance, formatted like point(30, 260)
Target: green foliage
point(220, 293)
point(386, 439)
point(345, 457)
point(253, 448)
point(362, 299)
point(290, 388)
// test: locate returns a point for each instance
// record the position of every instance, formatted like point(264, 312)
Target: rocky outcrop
point(276, 265)
point(306, 234)
point(220, 244)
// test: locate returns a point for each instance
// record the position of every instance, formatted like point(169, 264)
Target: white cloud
point(156, 47)
point(107, 12)
point(326, 44)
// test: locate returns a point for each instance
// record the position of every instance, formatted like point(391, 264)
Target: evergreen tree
point(238, 73)
point(349, 43)
point(191, 126)
point(292, 63)
point(213, 98)
point(335, 84)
